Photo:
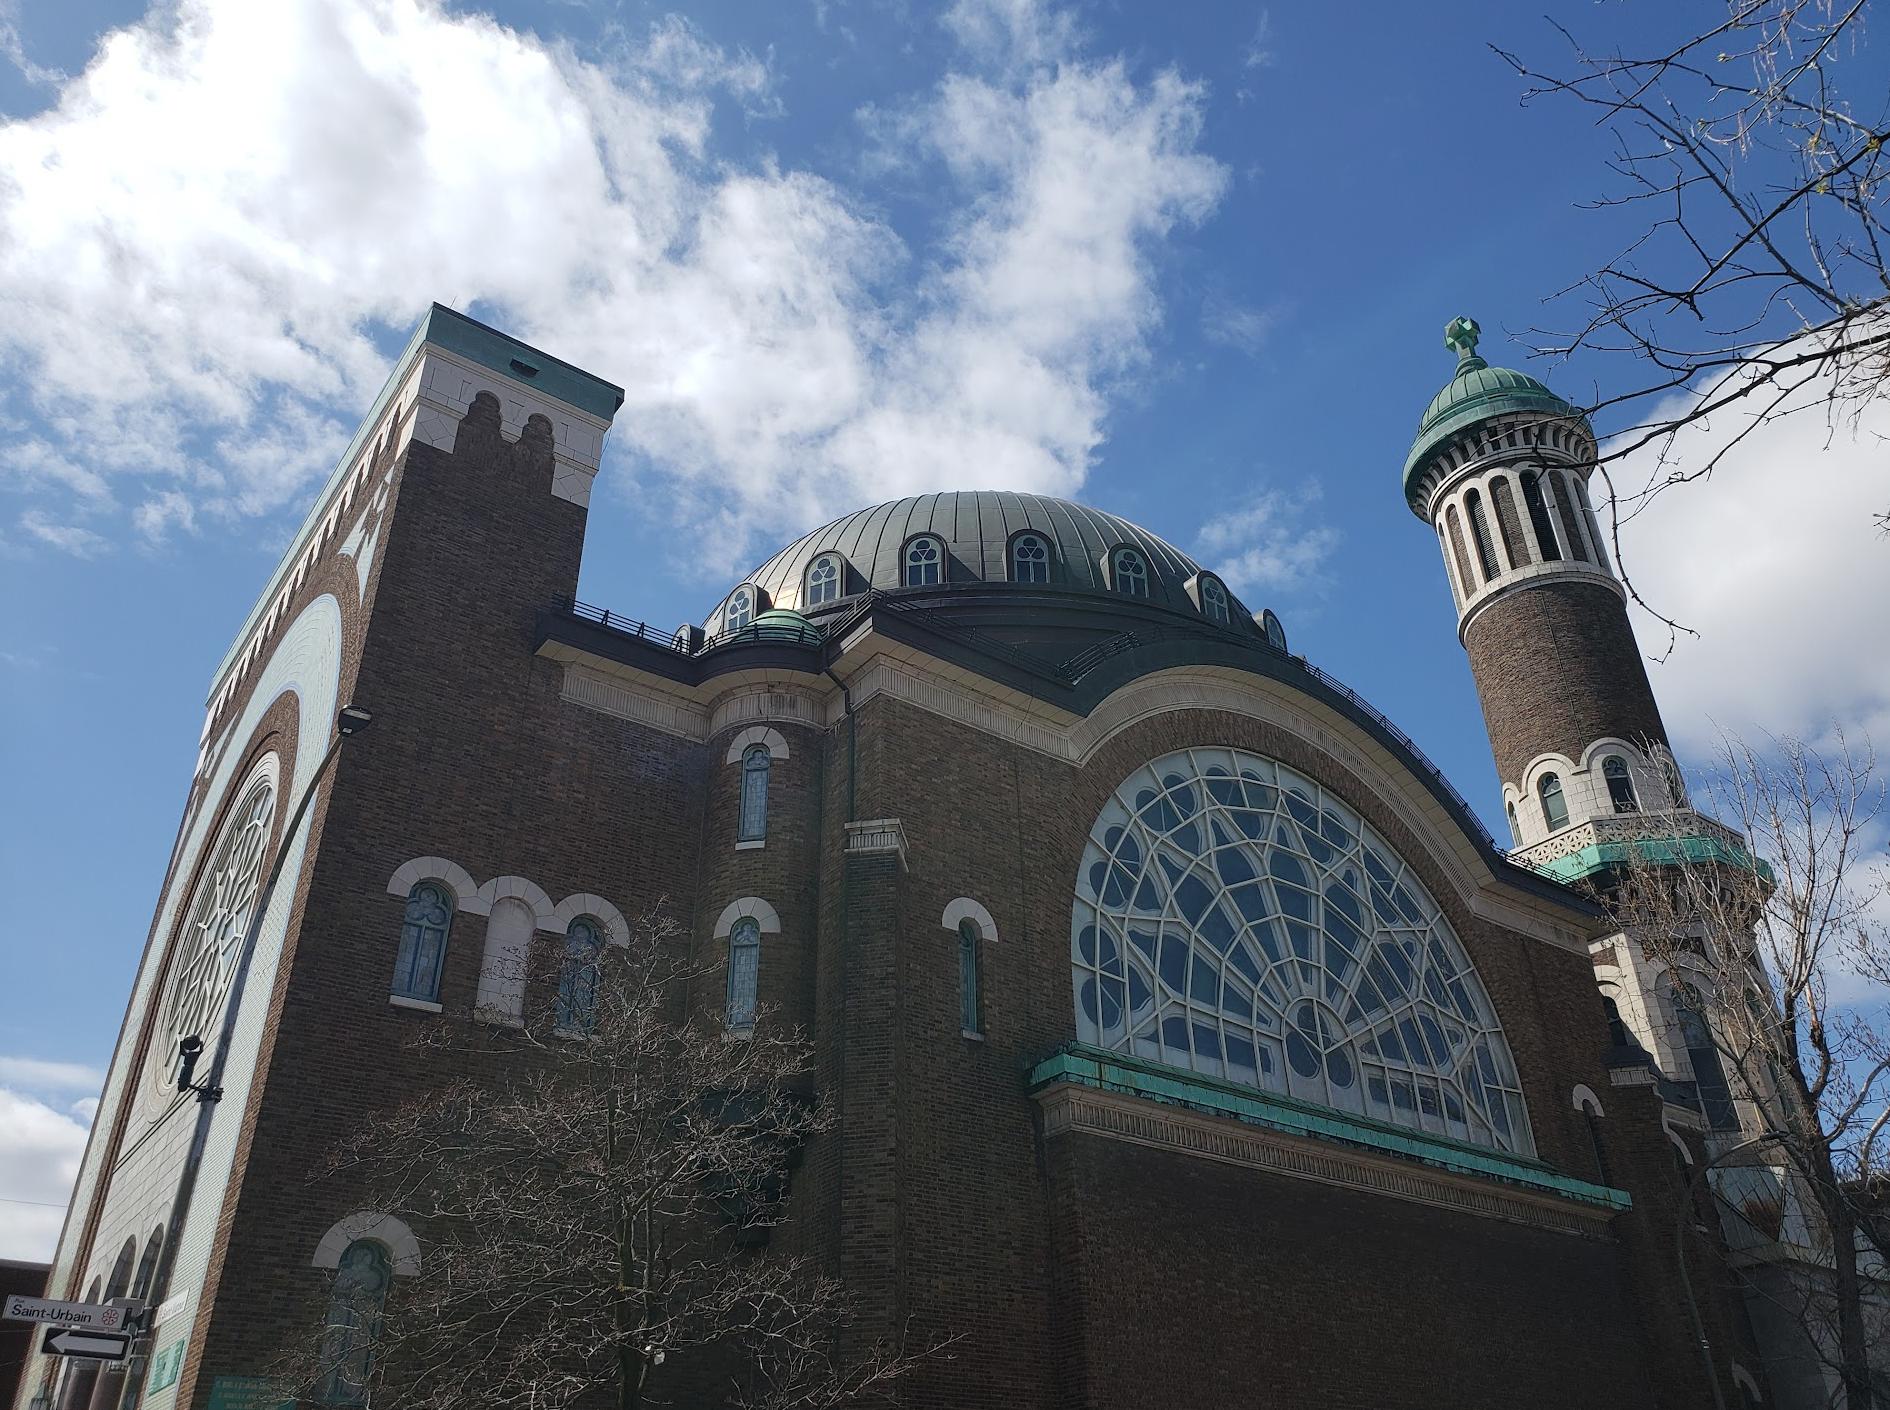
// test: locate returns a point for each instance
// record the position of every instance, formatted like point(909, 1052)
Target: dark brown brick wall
point(1557, 667)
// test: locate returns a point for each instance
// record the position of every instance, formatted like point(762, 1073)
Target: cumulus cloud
point(1274, 541)
point(197, 299)
point(40, 1148)
point(1778, 566)
point(39, 1075)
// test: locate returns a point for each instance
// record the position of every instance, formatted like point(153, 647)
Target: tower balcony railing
point(1667, 834)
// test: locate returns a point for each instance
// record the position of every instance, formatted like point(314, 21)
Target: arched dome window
point(1030, 559)
point(1234, 918)
point(924, 563)
point(1275, 632)
point(739, 611)
point(1620, 784)
point(823, 581)
point(1554, 805)
point(1214, 600)
point(1128, 572)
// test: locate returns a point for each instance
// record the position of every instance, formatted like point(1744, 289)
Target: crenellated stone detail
point(877, 836)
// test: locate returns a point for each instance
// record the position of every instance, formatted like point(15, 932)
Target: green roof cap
point(1476, 393)
point(782, 624)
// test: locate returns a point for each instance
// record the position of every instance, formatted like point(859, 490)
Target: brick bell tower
point(1500, 469)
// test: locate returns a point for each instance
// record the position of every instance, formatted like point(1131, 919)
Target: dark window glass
point(1554, 806)
point(1709, 1076)
point(423, 943)
point(1480, 534)
point(577, 977)
point(756, 763)
point(744, 972)
point(823, 580)
point(354, 1320)
point(1539, 516)
point(1131, 573)
point(925, 563)
point(1030, 559)
point(970, 945)
point(1620, 786)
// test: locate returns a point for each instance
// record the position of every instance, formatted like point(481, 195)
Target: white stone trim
point(963, 909)
point(384, 1229)
point(1743, 1379)
point(877, 835)
point(584, 903)
point(1666, 1124)
point(503, 887)
point(403, 1001)
point(410, 874)
point(1585, 1099)
point(753, 735)
point(748, 907)
point(752, 844)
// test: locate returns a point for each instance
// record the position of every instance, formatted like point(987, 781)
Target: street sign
point(90, 1316)
point(100, 1346)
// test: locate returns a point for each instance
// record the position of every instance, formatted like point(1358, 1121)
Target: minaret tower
point(1500, 469)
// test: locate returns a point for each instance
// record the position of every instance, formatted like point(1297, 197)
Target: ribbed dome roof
point(1477, 392)
point(977, 527)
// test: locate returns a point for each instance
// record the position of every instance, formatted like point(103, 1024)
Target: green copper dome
point(1477, 392)
point(781, 624)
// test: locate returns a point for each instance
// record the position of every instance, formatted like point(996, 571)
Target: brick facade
point(1065, 1268)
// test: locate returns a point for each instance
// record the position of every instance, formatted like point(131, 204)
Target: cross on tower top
point(1461, 334)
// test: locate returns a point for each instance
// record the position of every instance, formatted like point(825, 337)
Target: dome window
point(1129, 572)
point(924, 563)
point(1030, 559)
point(1620, 785)
point(739, 610)
point(1214, 600)
point(1554, 805)
point(1275, 633)
point(823, 581)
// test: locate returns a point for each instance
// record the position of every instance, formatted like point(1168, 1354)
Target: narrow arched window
point(924, 562)
point(577, 977)
point(1554, 806)
point(1214, 601)
point(1565, 512)
point(1129, 572)
point(1480, 535)
point(756, 762)
point(354, 1320)
point(744, 973)
point(1620, 786)
point(1676, 781)
point(1588, 518)
point(423, 942)
point(1030, 559)
point(823, 581)
point(740, 610)
point(1709, 1075)
point(1455, 525)
point(1515, 828)
point(1515, 546)
point(1539, 517)
point(970, 957)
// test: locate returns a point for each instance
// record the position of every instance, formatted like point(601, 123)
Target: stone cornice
point(1072, 1108)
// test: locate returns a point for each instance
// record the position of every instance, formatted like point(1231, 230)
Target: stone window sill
point(973, 1034)
point(752, 845)
point(401, 1001)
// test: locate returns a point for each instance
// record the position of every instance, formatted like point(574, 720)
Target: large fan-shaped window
point(1234, 918)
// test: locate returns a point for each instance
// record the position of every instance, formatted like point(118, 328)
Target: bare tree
point(1770, 963)
point(600, 1200)
point(1751, 281)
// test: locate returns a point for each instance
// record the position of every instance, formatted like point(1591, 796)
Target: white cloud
point(196, 314)
point(39, 1075)
point(1777, 564)
point(40, 1150)
point(67, 538)
point(1273, 542)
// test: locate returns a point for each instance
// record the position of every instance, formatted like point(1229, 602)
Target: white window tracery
point(1030, 559)
point(1236, 919)
point(823, 580)
point(924, 562)
point(1131, 573)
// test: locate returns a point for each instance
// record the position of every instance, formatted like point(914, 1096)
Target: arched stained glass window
point(1214, 600)
point(1620, 784)
point(354, 1320)
point(1554, 805)
point(970, 954)
point(577, 977)
point(1030, 559)
point(1130, 572)
point(823, 581)
point(744, 974)
point(1236, 919)
point(924, 562)
point(740, 609)
point(423, 942)
point(1709, 1074)
point(756, 762)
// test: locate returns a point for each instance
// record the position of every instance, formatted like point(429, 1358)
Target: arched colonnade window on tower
point(1236, 919)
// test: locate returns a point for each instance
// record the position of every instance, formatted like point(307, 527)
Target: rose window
point(207, 949)
point(1238, 920)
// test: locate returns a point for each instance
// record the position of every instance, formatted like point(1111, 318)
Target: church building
point(1193, 1041)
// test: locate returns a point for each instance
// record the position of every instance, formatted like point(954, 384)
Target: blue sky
point(1190, 263)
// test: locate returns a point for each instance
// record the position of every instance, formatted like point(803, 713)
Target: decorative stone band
point(1670, 838)
point(877, 836)
point(1106, 1094)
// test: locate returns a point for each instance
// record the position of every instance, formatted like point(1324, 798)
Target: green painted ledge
point(1118, 1072)
point(1653, 851)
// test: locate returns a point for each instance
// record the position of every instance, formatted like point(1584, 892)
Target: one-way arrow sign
point(101, 1346)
